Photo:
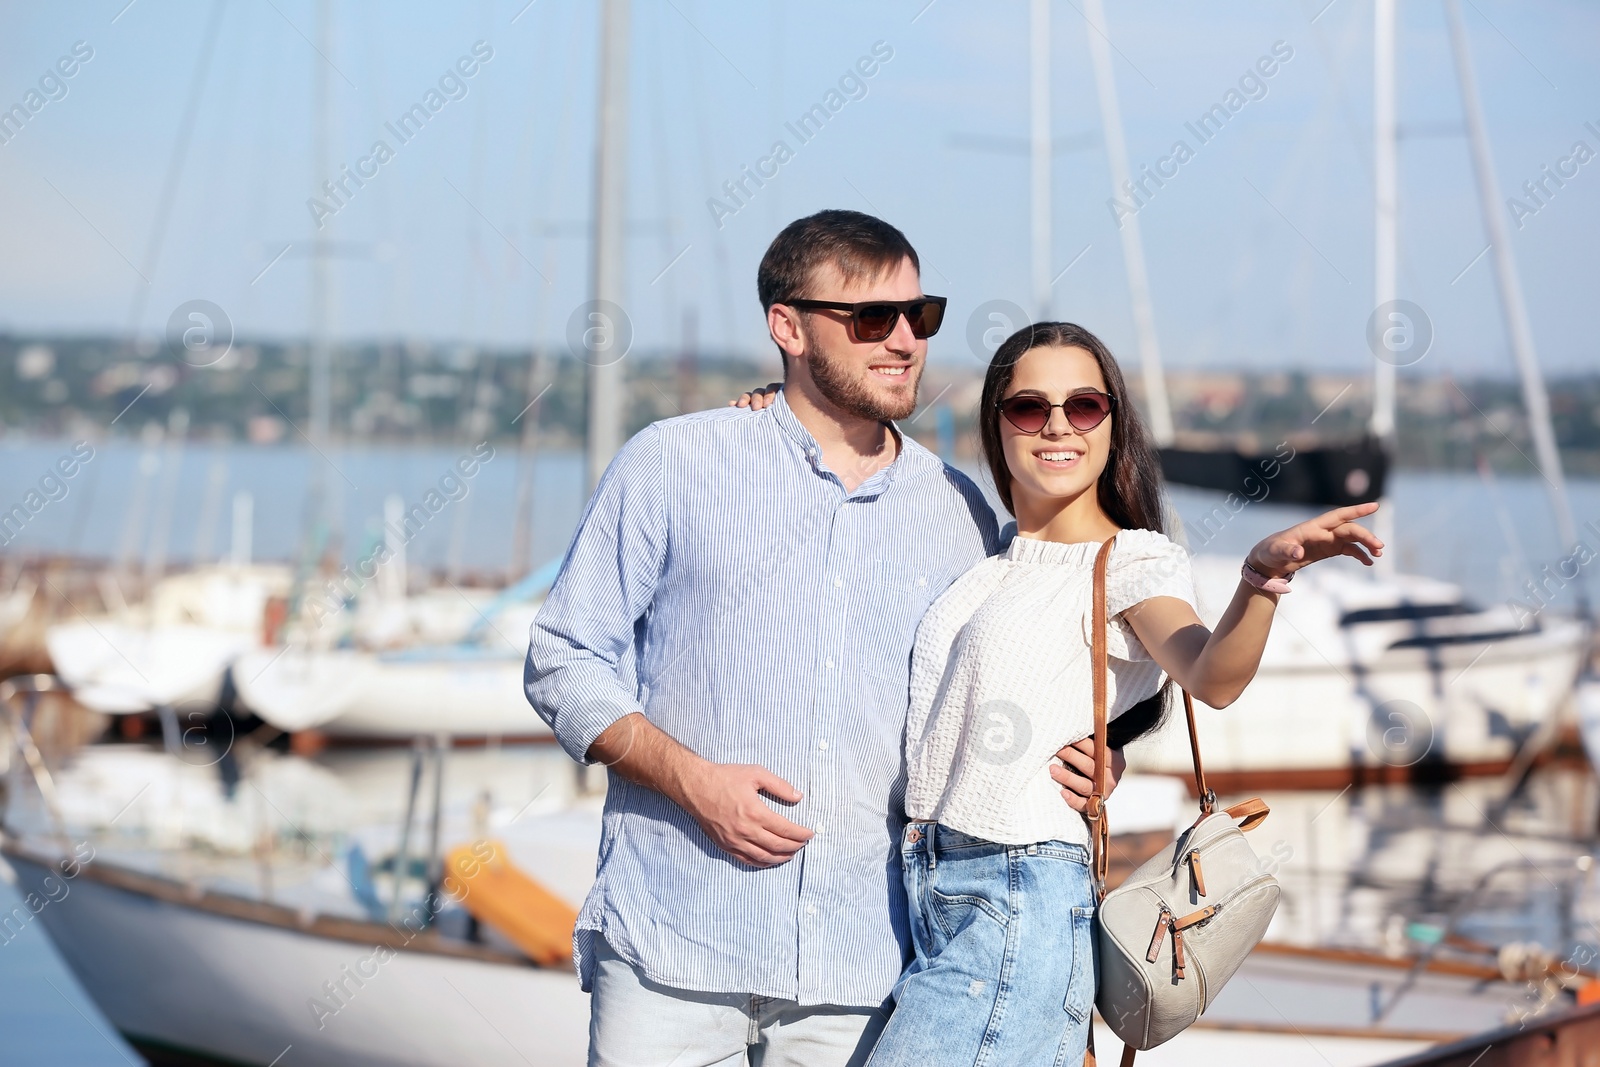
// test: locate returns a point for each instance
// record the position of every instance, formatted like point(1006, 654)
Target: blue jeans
point(1004, 971)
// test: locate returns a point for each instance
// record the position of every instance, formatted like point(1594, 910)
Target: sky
point(474, 229)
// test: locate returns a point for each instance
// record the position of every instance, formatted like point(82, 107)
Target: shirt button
point(830, 663)
point(823, 744)
point(838, 581)
point(821, 826)
point(811, 909)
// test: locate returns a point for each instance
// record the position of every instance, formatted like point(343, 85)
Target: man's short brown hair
point(858, 245)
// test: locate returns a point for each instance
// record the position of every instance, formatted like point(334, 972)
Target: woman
point(996, 867)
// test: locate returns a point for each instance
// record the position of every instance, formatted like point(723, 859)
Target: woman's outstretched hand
point(756, 399)
point(1333, 533)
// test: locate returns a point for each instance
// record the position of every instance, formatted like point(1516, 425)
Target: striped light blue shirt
point(724, 583)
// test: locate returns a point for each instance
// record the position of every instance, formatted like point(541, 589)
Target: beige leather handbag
point(1177, 928)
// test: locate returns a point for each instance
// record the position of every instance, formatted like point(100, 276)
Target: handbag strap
point(1250, 813)
point(1128, 1051)
point(1099, 832)
point(1094, 810)
point(1208, 799)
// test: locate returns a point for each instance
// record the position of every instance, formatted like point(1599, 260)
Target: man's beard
point(834, 381)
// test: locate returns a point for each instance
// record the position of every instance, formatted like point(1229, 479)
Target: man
point(731, 635)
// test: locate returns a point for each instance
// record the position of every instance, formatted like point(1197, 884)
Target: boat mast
point(1158, 407)
point(1039, 152)
point(1385, 182)
point(321, 357)
point(605, 381)
point(1385, 237)
point(1534, 397)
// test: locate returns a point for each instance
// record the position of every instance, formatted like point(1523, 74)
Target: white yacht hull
point(403, 698)
point(299, 689)
point(1366, 677)
point(190, 981)
point(1466, 706)
point(385, 697)
point(116, 667)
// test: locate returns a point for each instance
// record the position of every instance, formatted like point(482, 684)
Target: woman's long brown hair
point(1130, 488)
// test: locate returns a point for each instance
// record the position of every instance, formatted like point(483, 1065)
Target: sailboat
point(1383, 675)
point(471, 688)
point(174, 647)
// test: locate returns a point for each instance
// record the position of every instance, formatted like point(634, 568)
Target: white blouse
point(1001, 680)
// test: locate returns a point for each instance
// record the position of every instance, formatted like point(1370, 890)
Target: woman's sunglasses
point(1031, 414)
point(875, 319)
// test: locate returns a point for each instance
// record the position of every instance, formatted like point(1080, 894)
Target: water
point(45, 1017)
point(129, 501)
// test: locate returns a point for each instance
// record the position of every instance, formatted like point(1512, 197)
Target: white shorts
point(634, 1022)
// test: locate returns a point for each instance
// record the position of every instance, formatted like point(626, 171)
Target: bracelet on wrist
point(1262, 582)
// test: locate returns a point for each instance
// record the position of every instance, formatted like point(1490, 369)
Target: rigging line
point(271, 60)
point(488, 332)
point(665, 199)
point(719, 247)
point(180, 149)
point(383, 211)
point(523, 520)
point(1405, 247)
point(545, 193)
point(475, 253)
point(1235, 298)
point(1205, 344)
point(1300, 280)
point(775, 97)
point(476, 416)
point(477, 259)
point(211, 176)
point(523, 158)
point(1351, 126)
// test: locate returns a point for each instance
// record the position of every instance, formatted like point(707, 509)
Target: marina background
point(192, 177)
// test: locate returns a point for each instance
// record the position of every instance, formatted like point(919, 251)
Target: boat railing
point(1575, 868)
point(20, 698)
point(425, 751)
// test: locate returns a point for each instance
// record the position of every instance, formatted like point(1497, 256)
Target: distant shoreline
point(393, 395)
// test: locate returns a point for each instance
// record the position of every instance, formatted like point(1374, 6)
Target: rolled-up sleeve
point(579, 673)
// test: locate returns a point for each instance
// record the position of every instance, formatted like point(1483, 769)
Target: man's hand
point(1075, 773)
point(725, 799)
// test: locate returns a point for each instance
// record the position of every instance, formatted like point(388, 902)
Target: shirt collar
point(909, 452)
point(790, 425)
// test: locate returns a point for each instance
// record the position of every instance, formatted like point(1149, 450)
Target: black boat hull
point(1328, 475)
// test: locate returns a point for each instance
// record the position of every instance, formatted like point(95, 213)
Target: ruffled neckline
point(1035, 550)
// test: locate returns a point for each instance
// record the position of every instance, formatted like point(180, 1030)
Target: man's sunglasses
point(875, 319)
point(1031, 414)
